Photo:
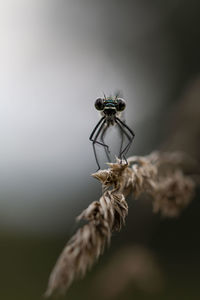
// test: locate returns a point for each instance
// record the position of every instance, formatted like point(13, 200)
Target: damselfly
point(111, 109)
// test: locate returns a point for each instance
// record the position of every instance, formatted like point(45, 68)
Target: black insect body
point(110, 108)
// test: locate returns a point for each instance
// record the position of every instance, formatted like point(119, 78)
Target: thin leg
point(102, 140)
point(122, 139)
point(123, 124)
point(130, 137)
point(122, 155)
point(95, 128)
point(128, 146)
point(94, 141)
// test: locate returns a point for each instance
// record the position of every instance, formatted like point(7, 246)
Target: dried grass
point(160, 175)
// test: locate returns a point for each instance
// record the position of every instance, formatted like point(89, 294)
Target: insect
point(110, 109)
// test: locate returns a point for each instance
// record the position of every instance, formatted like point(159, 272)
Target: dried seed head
point(172, 194)
point(156, 175)
point(88, 243)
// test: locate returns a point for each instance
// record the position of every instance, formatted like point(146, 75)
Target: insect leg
point(123, 124)
point(121, 154)
point(130, 137)
point(122, 139)
point(102, 140)
point(94, 141)
point(95, 128)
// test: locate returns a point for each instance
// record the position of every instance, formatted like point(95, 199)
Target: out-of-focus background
point(56, 58)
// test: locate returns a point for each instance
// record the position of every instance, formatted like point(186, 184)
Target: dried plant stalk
point(88, 243)
point(160, 175)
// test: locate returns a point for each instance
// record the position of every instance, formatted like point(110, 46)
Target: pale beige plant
point(160, 175)
point(172, 194)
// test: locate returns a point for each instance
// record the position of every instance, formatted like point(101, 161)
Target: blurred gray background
point(56, 58)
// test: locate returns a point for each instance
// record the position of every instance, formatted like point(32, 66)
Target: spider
point(110, 109)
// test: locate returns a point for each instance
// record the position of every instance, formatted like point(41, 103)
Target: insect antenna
point(118, 94)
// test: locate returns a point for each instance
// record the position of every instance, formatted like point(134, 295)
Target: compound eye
point(99, 104)
point(120, 104)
